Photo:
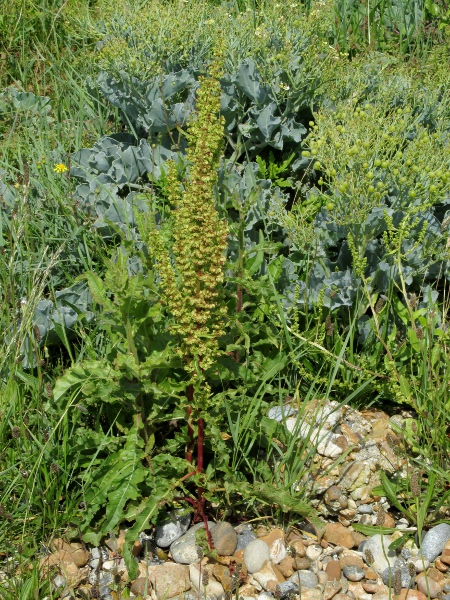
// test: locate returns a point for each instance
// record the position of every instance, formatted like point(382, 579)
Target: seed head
point(48, 390)
point(205, 578)
point(368, 556)
point(54, 468)
point(411, 569)
point(200, 553)
point(379, 305)
point(415, 487)
point(15, 432)
point(397, 582)
point(381, 517)
point(37, 333)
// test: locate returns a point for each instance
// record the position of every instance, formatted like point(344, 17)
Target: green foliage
point(403, 25)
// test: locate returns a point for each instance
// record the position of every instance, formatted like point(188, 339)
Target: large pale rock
point(278, 551)
point(77, 551)
point(214, 588)
point(172, 529)
point(335, 533)
point(434, 541)
point(378, 545)
point(184, 549)
point(169, 579)
point(255, 555)
point(224, 537)
point(268, 576)
point(427, 585)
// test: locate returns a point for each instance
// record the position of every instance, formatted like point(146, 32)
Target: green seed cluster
point(363, 154)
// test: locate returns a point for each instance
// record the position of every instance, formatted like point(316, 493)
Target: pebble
point(354, 573)
point(331, 589)
point(268, 576)
point(314, 551)
point(280, 413)
point(365, 509)
point(244, 538)
point(378, 545)
point(445, 557)
point(426, 585)
point(184, 549)
point(434, 541)
point(333, 570)
point(308, 579)
point(399, 567)
point(421, 563)
point(59, 581)
point(169, 579)
point(302, 564)
point(406, 594)
point(335, 533)
point(286, 566)
point(286, 588)
point(214, 588)
point(172, 529)
point(224, 537)
point(255, 555)
point(278, 551)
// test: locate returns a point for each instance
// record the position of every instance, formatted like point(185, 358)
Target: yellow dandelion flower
point(60, 168)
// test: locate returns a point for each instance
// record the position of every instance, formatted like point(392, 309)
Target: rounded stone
point(314, 551)
point(399, 567)
point(434, 541)
point(244, 538)
point(333, 570)
point(354, 573)
point(337, 534)
point(224, 538)
point(365, 509)
point(172, 529)
point(286, 588)
point(184, 549)
point(378, 547)
point(426, 585)
point(406, 594)
point(302, 563)
point(255, 555)
point(308, 579)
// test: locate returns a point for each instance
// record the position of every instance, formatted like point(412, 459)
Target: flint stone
point(279, 413)
point(308, 579)
point(400, 565)
point(434, 541)
point(184, 549)
point(244, 538)
point(382, 559)
point(353, 573)
point(172, 529)
point(224, 538)
point(169, 579)
point(255, 555)
point(426, 585)
point(286, 588)
point(214, 588)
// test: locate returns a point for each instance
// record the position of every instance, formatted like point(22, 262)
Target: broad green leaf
point(96, 286)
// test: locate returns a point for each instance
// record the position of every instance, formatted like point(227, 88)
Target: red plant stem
point(190, 430)
point(200, 442)
point(200, 446)
point(202, 514)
